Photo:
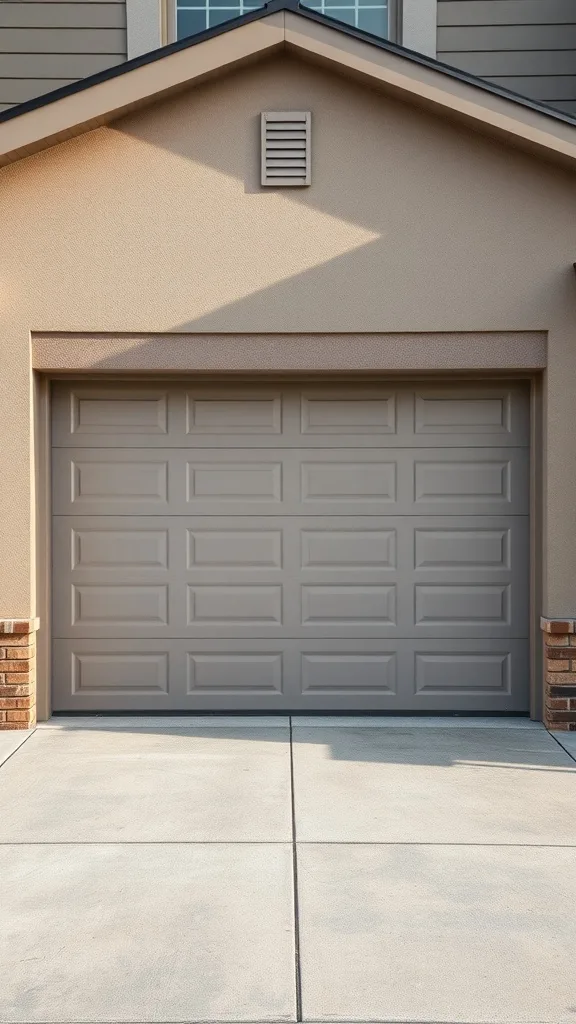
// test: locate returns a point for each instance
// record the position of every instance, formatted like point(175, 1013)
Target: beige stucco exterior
point(156, 224)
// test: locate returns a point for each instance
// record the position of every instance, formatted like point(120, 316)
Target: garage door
point(302, 547)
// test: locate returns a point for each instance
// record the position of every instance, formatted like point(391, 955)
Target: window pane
point(374, 21)
point(190, 22)
point(217, 16)
point(207, 14)
point(346, 14)
point(365, 14)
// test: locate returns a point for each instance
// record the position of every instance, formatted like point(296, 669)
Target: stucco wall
point(159, 224)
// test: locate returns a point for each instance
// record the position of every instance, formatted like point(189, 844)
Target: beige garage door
point(302, 547)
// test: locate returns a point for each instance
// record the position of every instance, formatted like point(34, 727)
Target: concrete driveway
point(266, 870)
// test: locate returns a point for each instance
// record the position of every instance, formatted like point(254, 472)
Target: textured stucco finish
point(285, 352)
point(157, 224)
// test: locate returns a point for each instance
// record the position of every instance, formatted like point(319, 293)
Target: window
point(194, 16)
point(373, 16)
point(369, 15)
point(153, 23)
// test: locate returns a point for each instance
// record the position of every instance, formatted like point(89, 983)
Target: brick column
point(18, 673)
point(560, 669)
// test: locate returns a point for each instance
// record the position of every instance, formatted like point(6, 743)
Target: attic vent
point(286, 147)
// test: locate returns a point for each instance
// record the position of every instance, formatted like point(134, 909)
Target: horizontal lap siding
point(45, 45)
point(528, 46)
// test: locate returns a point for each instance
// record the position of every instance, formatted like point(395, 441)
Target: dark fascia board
point(245, 19)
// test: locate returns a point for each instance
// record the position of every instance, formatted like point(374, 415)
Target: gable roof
point(285, 25)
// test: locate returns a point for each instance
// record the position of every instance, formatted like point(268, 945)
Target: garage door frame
point(42, 423)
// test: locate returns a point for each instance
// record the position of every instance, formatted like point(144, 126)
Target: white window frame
point(152, 23)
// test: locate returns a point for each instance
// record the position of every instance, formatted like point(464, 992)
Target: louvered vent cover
point(286, 147)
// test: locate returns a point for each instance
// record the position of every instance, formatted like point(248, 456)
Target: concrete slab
point(566, 740)
point(432, 786)
point(147, 933)
point(165, 722)
point(468, 935)
point(148, 785)
point(413, 722)
point(11, 741)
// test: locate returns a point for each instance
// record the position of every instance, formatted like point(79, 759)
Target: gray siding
point(528, 46)
point(46, 44)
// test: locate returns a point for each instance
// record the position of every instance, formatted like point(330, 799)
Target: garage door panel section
point(110, 415)
point(88, 415)
point(308, 675)
point(110, 482)
point(292, 546)
point(290, 576)
point(479, 546)
point(487, 675)
point(217, 412)
point(174, 674)
point(403, 481)
point(415, 675)
point(469, 415)
point(488, 481)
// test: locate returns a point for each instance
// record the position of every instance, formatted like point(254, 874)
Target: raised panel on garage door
point(229, 546)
